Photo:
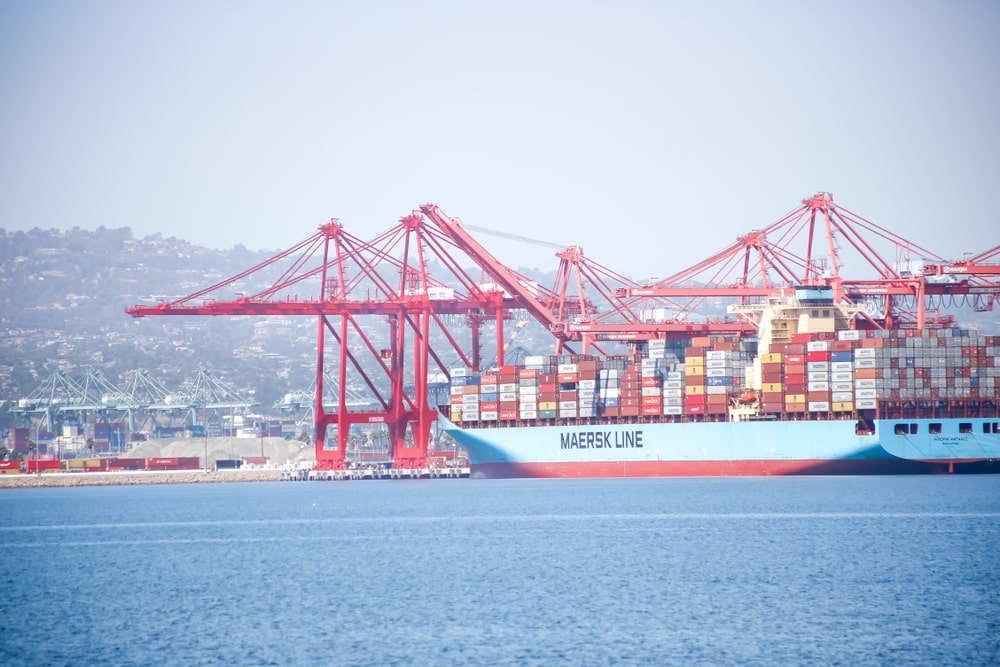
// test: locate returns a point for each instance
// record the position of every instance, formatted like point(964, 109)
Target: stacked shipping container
point(828, 374)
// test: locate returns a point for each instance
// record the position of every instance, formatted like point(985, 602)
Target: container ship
point(808, 395)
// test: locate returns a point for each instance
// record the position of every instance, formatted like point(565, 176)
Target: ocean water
point(733, 571)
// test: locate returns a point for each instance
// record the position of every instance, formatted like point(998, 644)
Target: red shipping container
point(528, 373)
point(508, 414)
point(823, 355)
point(629, 411)
point(694, 401)
point(490, 378)
point(489, 406)
point(568, 378)
point(34, 464)
point(652, 410)
point(652, 400)
point(794, 378)
point(651, 382)
point(793, 359)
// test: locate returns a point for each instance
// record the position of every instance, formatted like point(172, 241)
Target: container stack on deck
point(817, 375)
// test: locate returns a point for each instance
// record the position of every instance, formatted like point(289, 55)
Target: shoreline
point(138, 477)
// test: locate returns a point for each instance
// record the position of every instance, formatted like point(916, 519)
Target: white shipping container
point(817, 376)
point(842, 396)
point(842, 386)
point(568, 368)
point(508, 396)
point(865, 403)
point(818, 346)
point(470, 416)
point(818, 386)
point(528, 391)
point(673, 400)
point(533, 361)
point(586, 412)
point(470, 399)
point(716, 390)
point(673, 393)
point(675, 375)
point(717, 363)
point(842, 376)
point(836, 366)
point(459, 372)
point(649, 372)
point(714, 355)
point(673, 410)
point(528, 414)
point(864, 353)
point(814, 366)
point(849, 334)
point(651, 391)
point(567, 413)
point(865, 383)
point(612, 392)
point(567, 405)
point(718, 372)
point(487, 389)
point(456, 390)
point(864, 363)
point(865, 393)
point(818, 406)
point(488, 416)
point(507, 386)
point(587, 384)
point(673, 384)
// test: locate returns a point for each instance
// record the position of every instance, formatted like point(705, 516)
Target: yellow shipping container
point(794, 407)
point(694, 371)
point(75, 463)
point(694, 390)
point(694, 361)
point(771, 358)
point(795, 398)
point(772, 387)
point(843, 407)
point(548, 405)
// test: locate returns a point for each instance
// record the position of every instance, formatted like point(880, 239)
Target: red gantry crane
point(388, 278)
point(806, 248)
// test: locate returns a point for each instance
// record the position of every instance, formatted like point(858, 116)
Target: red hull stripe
point(701, 468)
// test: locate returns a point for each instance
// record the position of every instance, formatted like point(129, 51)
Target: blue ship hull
point(727, 448)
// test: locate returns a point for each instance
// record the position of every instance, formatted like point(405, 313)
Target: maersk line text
point(601, 439)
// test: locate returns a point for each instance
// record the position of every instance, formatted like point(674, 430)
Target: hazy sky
point(649, 133)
